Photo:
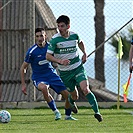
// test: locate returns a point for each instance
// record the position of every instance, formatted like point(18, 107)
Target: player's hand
point(65, 62)
point(24, 89)
point(130, 69)
point(84, 58)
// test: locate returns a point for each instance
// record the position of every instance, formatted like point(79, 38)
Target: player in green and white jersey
point(64, 46)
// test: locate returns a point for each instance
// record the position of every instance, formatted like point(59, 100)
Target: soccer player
point(44, 75)
point(131, 57)
point(64, 47)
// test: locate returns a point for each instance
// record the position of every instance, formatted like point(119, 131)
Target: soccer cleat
point(57, 116)
point(98, 117)
point(71, 118)
point(73, 106)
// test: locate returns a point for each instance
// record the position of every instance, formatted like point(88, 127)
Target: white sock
point(56, 111)
point(67, 116)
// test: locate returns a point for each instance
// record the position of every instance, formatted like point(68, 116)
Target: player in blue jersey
point(44, 76)
point(64, 45)
point(131, 56)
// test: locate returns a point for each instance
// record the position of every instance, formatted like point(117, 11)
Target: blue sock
point(52, 105)
point(68, 112)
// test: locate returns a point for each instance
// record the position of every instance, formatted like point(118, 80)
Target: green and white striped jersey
point(65, 48)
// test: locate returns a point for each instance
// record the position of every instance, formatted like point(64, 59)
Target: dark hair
point(39, 30)
point(63, 18)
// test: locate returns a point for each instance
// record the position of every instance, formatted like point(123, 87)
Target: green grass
point(42, 121)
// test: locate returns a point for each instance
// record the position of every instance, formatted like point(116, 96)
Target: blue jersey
point(42, 70)
point(36, 56)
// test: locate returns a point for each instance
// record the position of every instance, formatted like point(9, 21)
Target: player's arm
point(82, 48)
point(22, 74)
point(51, 58)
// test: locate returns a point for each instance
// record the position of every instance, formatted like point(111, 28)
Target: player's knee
point(86, 90)
point(75, 97)
point(42, 87)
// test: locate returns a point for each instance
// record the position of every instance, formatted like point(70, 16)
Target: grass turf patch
point(42, 121)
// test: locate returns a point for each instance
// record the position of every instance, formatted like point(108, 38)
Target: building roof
point(16, 14)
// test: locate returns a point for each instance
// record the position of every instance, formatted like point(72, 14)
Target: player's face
point(63, 28)
point(40, 38)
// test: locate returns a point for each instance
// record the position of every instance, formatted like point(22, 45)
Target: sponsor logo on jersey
point(68, 50)
point(42, 62)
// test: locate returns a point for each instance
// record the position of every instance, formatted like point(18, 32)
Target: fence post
point(32, 40)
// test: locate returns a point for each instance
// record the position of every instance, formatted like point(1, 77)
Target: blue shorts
point(53, 80)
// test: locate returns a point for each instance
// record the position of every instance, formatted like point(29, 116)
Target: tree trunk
point(100, 37)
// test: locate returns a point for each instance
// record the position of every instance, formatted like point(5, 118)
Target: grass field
point(42, 121)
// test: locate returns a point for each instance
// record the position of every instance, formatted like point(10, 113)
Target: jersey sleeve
point(28, 57)
point(51, 46)
point(78, 38)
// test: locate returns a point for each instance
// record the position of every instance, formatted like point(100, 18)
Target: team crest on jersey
point(39, 55)
point(60, 45)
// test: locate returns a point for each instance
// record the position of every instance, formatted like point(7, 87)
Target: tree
point(99, 38)
point(126, 37)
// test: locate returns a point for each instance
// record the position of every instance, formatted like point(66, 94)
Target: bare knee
point(75, 95)
point(85, 90)
point(65, 94)
point(84, 85)
point(44, 89)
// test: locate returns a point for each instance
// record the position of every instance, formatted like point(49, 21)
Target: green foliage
point(42, 121)
point(126, 41)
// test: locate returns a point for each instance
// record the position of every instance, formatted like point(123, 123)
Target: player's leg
point(68, 110)
point(84, 85)
point(82, 81)
point(72, 97)
point(59, 88)
point(50, 101)
point(57, 85)
point(70, 84)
